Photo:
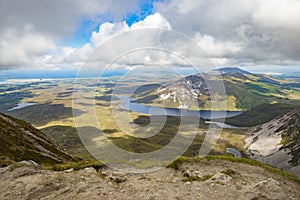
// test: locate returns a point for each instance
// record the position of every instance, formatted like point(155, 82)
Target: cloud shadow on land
point(42, 114)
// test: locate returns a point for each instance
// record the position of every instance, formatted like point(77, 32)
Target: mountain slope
point(244, 91)
point(260, 114)
point(21, 141)
point(278, 142)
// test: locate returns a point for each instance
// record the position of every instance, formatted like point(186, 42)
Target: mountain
point(277, 142)
point(181, 94)
point(21, 141)
point(244, 91)
point(232, 70)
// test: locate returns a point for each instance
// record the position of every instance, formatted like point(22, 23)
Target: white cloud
point(108, 30)
point(248, 32)
point(278, 14)
point(152, 21)
point(53, 21)
point(61, 18)
point(267, 31)
point(217, 49)
point(68, 57)
point(22, 48)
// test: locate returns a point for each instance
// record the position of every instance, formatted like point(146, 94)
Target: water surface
point(129, 104)
point(20, 106)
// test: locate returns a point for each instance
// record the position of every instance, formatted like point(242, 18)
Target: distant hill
point(21, 141)
point(278, 142)
point(232, 71)
point(244, 91)
point(260, 114)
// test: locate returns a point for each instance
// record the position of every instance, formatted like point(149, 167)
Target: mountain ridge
point(244, 90)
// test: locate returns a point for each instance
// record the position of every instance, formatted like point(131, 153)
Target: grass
point(228, 172)
point(5, 162)
point(20, 141)
point(41, 114)
point(179, 161)
point(17, 165)
point(67, 138)
point(74, 165)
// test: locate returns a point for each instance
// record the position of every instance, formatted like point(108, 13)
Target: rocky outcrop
point(277, 142)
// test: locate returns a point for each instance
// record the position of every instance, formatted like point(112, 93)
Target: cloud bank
point(245, 32)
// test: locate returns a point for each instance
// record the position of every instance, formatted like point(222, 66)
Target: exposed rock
point(187, 173)
point(69, 170)
point(277, 142)
point(117, 179)
point(267, 184)
point(220, 178)
point(90, 170)
point(250, 182)
point(30, 163)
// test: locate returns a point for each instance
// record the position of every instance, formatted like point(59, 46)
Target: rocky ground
point(215, 179)
point(277, 142)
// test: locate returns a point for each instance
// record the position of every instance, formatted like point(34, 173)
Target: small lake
point(21, 105)
point(234, 152)
point(129, 104)
point(220, 124)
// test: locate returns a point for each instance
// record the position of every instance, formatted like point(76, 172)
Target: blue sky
point(83, 33)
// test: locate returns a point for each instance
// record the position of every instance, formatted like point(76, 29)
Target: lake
point(129, 104)
point(21, 105)
point(234, 152)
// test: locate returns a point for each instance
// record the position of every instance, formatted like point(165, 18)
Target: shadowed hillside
point(21, 141)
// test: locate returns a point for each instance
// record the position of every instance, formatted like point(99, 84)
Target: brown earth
point(214, 179)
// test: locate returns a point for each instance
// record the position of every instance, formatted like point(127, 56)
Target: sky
point(60, 36)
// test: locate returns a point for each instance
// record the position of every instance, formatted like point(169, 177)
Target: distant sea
point(48, 74)
point(54, 74)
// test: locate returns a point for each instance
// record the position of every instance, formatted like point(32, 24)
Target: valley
point(50, 109)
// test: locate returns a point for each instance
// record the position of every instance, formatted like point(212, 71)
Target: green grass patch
point(74, 165)
point(228, 172)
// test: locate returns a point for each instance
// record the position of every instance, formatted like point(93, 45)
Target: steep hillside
point(21, 141)
point(278, 142)
point(260, 114)
point(244, 91)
